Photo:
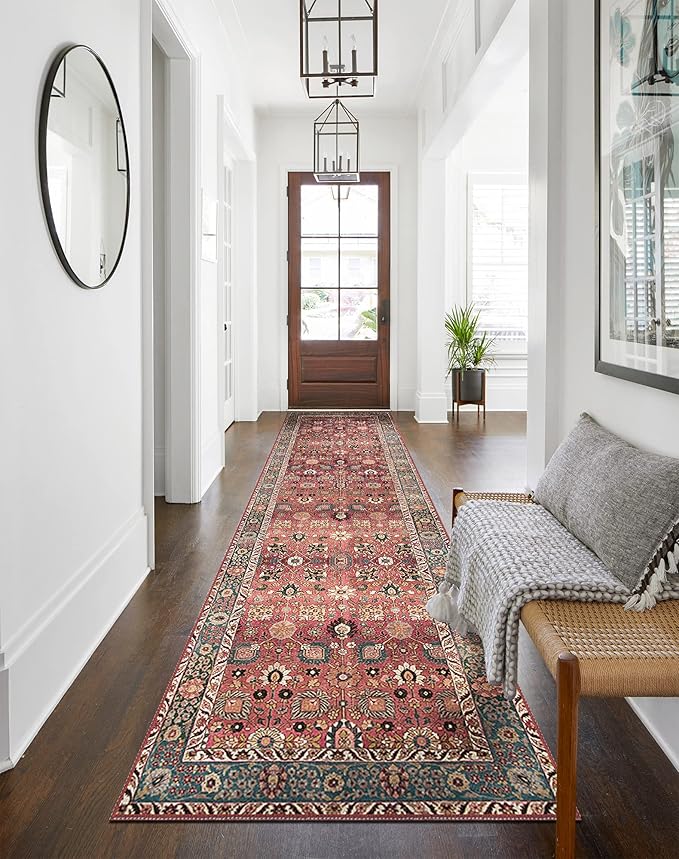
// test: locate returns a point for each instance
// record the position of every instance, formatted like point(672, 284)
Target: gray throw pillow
point(619, 501)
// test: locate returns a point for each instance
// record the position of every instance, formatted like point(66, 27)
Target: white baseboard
point(5, 759)
point(406, 400)
point(501, 397)
point(41, 662)
point(212, 461)
point(661, 717)
point(431, 408)
point(159, 472)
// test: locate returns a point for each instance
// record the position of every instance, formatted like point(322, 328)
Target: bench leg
point(568, 692)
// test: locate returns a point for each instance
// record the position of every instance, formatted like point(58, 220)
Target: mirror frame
point(42, 164)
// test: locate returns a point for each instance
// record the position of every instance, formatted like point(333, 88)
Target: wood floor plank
point(57, 801)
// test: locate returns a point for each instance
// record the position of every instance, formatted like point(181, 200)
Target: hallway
point(58, 801)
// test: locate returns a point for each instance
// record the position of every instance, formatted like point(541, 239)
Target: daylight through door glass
point(339, 273)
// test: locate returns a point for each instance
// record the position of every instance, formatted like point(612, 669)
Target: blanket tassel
point(443, 606)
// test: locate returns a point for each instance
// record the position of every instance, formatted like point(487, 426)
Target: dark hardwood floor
point(57, 801)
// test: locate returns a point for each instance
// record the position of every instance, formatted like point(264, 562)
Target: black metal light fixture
point(336, 146)
point(338, 47)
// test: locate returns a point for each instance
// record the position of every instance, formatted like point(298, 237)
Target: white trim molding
point(431, 408)
point(58, 640)
point(212, 459)
point(659, 716)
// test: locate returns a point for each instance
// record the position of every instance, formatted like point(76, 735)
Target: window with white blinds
point(497, 262)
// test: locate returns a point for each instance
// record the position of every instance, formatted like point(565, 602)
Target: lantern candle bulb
point(325, 55)
point(354, 59)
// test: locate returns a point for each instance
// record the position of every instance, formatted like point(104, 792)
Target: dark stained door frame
point(338, 373)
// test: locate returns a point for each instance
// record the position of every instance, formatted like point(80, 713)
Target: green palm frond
point(467, 348)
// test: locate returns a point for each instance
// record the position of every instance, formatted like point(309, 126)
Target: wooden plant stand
point(457, 401)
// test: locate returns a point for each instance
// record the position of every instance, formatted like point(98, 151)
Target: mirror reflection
point(83, 166)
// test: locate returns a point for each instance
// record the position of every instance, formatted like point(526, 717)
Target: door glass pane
point(359, 211)
point(227, 343)
point(358, 314)
point(319, 263)
point(358, 263)
point(319, 314)
point(320, 214)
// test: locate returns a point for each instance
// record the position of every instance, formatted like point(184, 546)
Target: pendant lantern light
point(336, 146)
point(338, 48)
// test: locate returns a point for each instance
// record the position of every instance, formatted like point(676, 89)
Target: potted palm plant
point(470, 352)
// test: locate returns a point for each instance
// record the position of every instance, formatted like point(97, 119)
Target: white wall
point(644, 416)
point(74, 537)
point(74, 526)
point(286, 143)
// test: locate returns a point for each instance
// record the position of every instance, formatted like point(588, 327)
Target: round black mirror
point(84, 167)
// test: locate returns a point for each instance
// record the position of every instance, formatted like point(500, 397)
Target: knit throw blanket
point(504, 555)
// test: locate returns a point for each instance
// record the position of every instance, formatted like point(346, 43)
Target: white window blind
point(498, 256)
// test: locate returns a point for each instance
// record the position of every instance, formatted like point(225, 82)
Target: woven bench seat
point(593, 649)
point(620, 653)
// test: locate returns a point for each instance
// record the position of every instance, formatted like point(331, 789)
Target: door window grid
point(339, 287)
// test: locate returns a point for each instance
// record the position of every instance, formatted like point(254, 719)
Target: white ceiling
point(271, 30)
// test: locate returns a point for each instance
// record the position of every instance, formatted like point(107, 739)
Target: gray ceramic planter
point(471, 385)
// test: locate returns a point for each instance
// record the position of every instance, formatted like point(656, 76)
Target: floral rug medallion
point(314, 686)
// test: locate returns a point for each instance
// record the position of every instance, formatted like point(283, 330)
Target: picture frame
point(637, 191)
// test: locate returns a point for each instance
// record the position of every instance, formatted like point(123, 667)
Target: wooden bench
point(595, 649)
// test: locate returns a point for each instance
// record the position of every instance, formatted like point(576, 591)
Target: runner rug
point(314, 686)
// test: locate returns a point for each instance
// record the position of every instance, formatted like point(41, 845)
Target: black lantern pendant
point(338, 47)
point(336, 145)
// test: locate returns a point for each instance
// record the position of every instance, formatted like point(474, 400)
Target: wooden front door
point(338, 293)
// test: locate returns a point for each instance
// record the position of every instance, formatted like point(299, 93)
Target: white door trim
point(183, 435)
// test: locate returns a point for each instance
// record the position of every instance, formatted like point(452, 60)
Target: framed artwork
point(637, 110)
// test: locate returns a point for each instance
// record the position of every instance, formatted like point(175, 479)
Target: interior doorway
point(171, 230)
point(338, 292)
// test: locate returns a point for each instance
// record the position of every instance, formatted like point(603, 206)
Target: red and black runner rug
point(314, 686)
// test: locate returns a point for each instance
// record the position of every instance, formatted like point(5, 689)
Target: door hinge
point(287, 384)
point(287, 190)
point(287, 256)
point(287, 321)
